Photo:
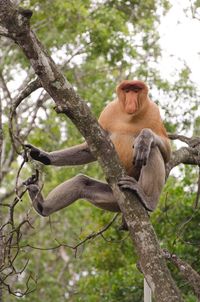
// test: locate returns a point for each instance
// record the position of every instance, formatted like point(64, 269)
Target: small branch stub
point(27, 13)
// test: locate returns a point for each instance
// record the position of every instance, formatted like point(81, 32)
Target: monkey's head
point(132, 96)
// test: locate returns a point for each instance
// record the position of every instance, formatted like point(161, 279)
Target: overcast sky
point(180, 39)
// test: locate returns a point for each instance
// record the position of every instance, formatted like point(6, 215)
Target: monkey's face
point(132, 95)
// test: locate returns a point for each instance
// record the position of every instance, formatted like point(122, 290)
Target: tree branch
point(187, 272)
point(184, 155)
point(68, 102)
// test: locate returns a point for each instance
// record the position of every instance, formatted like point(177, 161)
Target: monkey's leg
point(81, 186)
point(151, 181)
point(76, 155)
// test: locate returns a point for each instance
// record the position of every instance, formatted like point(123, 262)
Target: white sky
point(180, 39)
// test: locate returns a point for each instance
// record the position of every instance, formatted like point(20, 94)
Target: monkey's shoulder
point(110, 112)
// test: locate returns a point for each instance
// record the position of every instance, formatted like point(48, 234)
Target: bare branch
point(7, 163)
point(94, 235)
point(31, 87)
point(75, 247)
point(185, 155)
point(190, 141)
point(15, 138)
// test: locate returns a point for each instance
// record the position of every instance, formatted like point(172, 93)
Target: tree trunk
point(1, 258)
point(1, 218)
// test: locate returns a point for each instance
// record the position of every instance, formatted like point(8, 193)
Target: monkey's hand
point(38, 154)
point(129, 183)
point(142, 147)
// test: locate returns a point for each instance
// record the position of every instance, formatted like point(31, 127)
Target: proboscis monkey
point(137, 132)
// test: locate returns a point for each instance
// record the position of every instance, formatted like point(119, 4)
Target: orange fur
point(139, 124)
point(124, 127)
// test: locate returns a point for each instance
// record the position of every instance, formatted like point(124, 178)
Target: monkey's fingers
point(141, 156)
point(127, 182)
point(31, 180)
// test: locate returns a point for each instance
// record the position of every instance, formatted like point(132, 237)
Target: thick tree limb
point(190, 141)
point(184, 155)
point(16, 24)
point(187, 272)
point(1, 213)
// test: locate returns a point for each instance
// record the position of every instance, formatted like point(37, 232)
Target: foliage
point(96, 43)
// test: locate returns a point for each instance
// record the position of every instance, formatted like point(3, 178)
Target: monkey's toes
point(127, 182)
point(31, 180)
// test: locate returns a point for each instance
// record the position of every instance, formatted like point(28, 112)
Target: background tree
point(111, 41)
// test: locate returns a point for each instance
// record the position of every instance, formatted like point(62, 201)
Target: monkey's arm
point(76, 155)
point(164, 147)
point(143, 143)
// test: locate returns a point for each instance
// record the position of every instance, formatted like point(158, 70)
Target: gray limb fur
point(150, 185)
point(73, 156)
point(98, 193)
point(147, 158)
point(80, 186)
point(149, 161)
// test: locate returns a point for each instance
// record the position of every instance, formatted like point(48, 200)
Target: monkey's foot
point(32, 180)
point(129, 183)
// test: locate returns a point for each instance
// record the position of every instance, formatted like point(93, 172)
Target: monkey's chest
point(124, 147)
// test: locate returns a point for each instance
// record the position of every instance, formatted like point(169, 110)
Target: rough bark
point(184, 155)
point(186, 271)
point(1, 218)
point(14, 23)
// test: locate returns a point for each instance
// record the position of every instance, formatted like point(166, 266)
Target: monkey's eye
point(135, 88)
point(132, 88)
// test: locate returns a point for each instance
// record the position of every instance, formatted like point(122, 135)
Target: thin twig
point(74, 247)
point(31, 87)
